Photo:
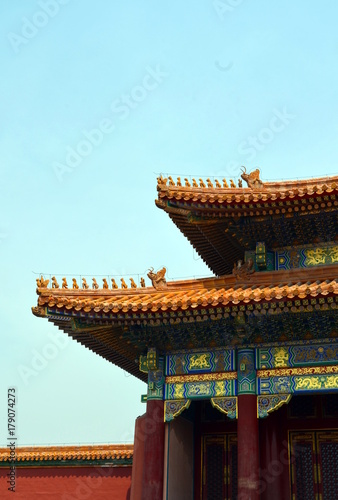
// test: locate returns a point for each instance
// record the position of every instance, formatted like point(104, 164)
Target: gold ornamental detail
point(281, 357)
point(321, 256)
point(199, 361)
point(312, 383)
point(306, 370)
point(174, 379)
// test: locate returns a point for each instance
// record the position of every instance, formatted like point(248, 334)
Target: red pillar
point(138, 459)
point(248, 448)
point(152, 488)
point(274, 458)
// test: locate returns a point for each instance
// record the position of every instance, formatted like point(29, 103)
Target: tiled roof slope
point(269, 191)
point(192, 294)
point(92, 453)
point(120, 324)
point(221, 223)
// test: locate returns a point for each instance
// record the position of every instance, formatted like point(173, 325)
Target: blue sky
point(96, 99)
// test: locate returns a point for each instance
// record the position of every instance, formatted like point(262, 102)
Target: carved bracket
point(270, 402)
point(174, 408)
point(226, 405)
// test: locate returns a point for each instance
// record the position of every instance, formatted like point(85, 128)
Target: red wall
point(68, 483)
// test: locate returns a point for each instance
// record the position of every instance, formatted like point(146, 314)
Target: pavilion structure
point(242, 367)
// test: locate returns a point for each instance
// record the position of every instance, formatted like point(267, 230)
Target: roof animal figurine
point(143, 283)
point(243, 270)
point(253, 181)
point(75, 285)
point(194, 183)
point(240, 183)
point(132, 283)
point(114, 284)
point(225, 184)
point(232, 184)
point(202, 183)
point(217, 184)
point(95, 285)
point(187, 183)
point(162, 180)
point(123, 283)
point(105, 284)
point(171, 181)
point(42, 283)
point(64, 283)
point(210, 184)
point(85, 285)
point(157, 279)
point(55, 284)
point(178, 183)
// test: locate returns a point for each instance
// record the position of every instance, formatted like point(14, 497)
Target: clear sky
point(96, 99)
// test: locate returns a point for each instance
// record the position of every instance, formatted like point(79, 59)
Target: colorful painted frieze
point(297, 384)
point(200, 389)
point(293, 356)
point(307, 257)
point(200, 362)
point(294, 257)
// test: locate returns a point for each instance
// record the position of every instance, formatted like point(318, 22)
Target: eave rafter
point(119, 325)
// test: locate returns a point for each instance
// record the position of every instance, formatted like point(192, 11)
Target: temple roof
point(263, 307)
point(118, 454)
point(245, 308)
point(222, 222)
point(191, 294)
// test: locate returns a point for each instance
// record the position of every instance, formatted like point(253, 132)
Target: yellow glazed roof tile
point(264, 191)
point(41, 453)
point(197, 293)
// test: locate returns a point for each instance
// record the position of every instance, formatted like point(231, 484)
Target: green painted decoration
point(246, 373)
point(296, 356)
point(208, 361)
point(156, 380)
